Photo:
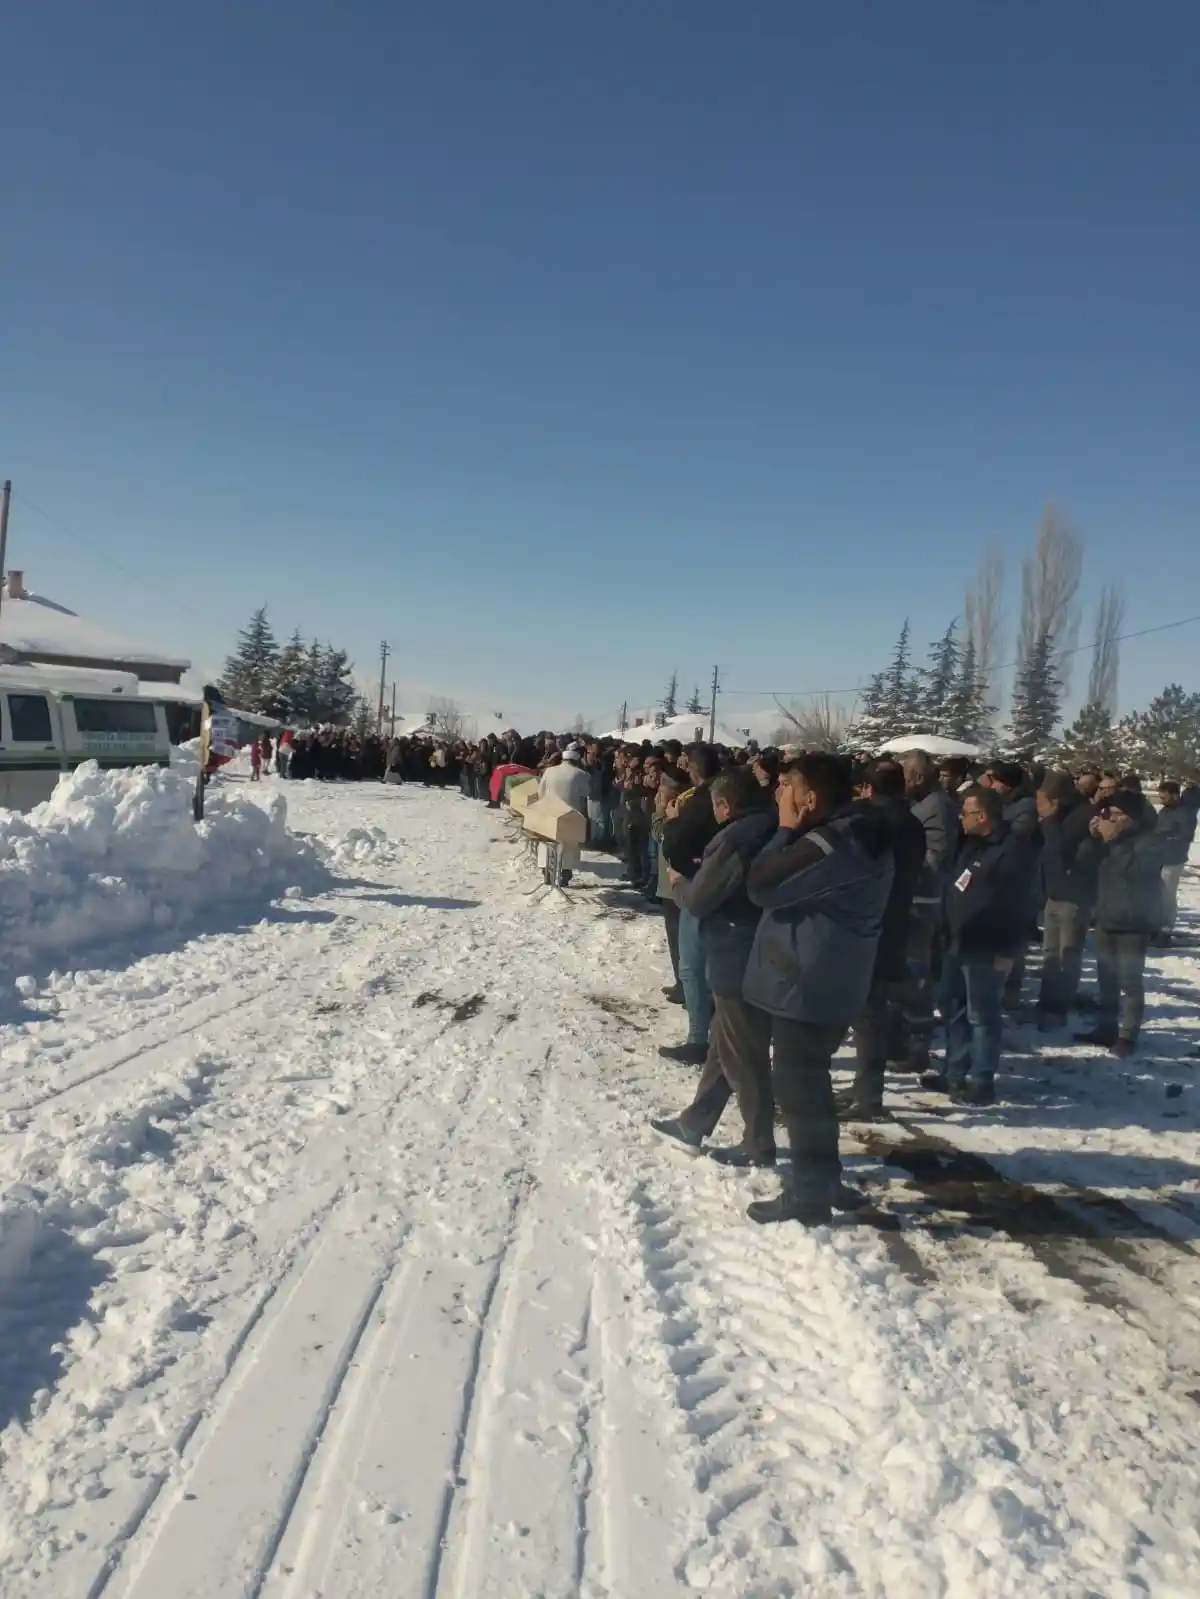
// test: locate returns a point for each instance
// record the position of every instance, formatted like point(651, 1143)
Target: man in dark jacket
point(823, 883)
point(987, 913)
point(883, 788)
point(1070, 885)
point(1018, 796)
point(739, 1051)
point(937, 812)
point(689, 828)
point(1175, 831)
point(1128, 851)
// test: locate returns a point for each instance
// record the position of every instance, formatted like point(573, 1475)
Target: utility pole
point(5, 496)
point(384, 652)
point(712, 715)
point(624, 715)
point(393, 710)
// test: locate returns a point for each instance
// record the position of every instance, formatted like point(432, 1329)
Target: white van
point(46, 730)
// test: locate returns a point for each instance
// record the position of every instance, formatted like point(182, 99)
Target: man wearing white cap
point(569, 783)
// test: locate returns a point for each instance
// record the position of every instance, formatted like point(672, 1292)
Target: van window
point(115, 716)
point(29, 718)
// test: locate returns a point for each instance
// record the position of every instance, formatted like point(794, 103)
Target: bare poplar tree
point(445, 718)
point(1050, 578)
point(1106, 653)
point(983, 613)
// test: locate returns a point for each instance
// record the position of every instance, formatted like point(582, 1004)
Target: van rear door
point(31, 753)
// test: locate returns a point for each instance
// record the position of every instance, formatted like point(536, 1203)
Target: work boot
point(861, 1108)
point(741, 1158)
point(977, 1094)
point(674, 994)
point(685, 1054)
point(787, 1206)
point(672, 1127)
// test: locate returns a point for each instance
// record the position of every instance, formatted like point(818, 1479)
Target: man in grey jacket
point(823, 885)
point(937, 813)
point(739, 1050)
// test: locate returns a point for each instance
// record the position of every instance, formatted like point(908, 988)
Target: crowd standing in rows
point(807, 896)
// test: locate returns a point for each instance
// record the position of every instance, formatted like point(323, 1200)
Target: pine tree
point(1091, 740)
point(968, 712)
point(869, 728)
point(335, 689)
point(693, 706)
point(900, 689)
point(939, 685)
point(670, 698)
point(247, 673)
point(1036, 702)
point(285, 686)
point(1166, 735)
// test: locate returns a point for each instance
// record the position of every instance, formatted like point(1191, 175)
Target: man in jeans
point(823, 883)
point(1070, 883)
point(739, 1052)
point(937, 813)
point(1128, 910)
point(987, 912)
point(689, 827)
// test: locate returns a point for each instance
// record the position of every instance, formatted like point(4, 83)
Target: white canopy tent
point(931, 744)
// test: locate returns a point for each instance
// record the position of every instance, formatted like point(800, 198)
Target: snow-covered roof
point(682, 728)
point(34, 626)
point(931, 744)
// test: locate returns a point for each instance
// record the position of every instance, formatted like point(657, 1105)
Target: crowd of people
point(808, 896)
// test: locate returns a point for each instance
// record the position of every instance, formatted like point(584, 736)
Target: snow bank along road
point(336, 1262)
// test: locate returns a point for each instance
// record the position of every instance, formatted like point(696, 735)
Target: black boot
point(686, 1054)
point(674, 994)
point(788, 1207)
point(741, 1158)
point(672, 1127)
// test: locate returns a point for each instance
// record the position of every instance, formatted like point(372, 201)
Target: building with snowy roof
point(38, 631)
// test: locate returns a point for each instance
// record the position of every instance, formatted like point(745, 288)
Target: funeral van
point(49, 726)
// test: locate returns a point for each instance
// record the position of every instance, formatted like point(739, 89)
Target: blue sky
point(563, 344)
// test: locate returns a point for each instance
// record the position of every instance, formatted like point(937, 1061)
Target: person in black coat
point(1018, 795)
point(1124, 843)
point(987, 910)
point(739, 1053)
point(883, 790)
point(1070, 885)
point(687, 833)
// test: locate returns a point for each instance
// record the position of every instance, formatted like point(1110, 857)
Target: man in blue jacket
point(822, 884)
point(987, 919)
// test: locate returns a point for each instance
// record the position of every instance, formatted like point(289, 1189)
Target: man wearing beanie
point(1128, 856)
point(1070, 884)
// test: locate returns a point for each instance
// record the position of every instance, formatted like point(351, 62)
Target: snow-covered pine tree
point(286, 686)
point(1036, 703)
point(307, 689)
point(671, 697)
point(1166, 735)
point(335, 686)
point(693, 706)
point(939, 684)
point(1091, 740)
point(900, 689)
point(970, 715)
point(247, 673)
point(870, 726)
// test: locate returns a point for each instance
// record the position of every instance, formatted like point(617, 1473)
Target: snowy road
point(337, 1263)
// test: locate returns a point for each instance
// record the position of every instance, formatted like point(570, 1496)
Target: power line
point(1080, 649)
point(111, 560)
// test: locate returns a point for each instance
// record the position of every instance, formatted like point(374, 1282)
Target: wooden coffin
point(556, 821)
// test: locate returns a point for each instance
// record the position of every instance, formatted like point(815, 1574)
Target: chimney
point(16, 586)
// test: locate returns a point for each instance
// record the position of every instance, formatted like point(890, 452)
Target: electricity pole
point(712, 715)
point(384, 652)
point(393, 710)
point(5, 496)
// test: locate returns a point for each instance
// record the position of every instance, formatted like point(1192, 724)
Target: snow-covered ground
point(337, 1262)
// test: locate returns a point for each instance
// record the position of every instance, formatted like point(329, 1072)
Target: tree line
point(954, 694)
point(294, 682)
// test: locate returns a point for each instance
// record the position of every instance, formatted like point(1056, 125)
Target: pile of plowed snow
point(116, 852)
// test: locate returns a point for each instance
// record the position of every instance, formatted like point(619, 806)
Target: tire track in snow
point(296, 1304)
